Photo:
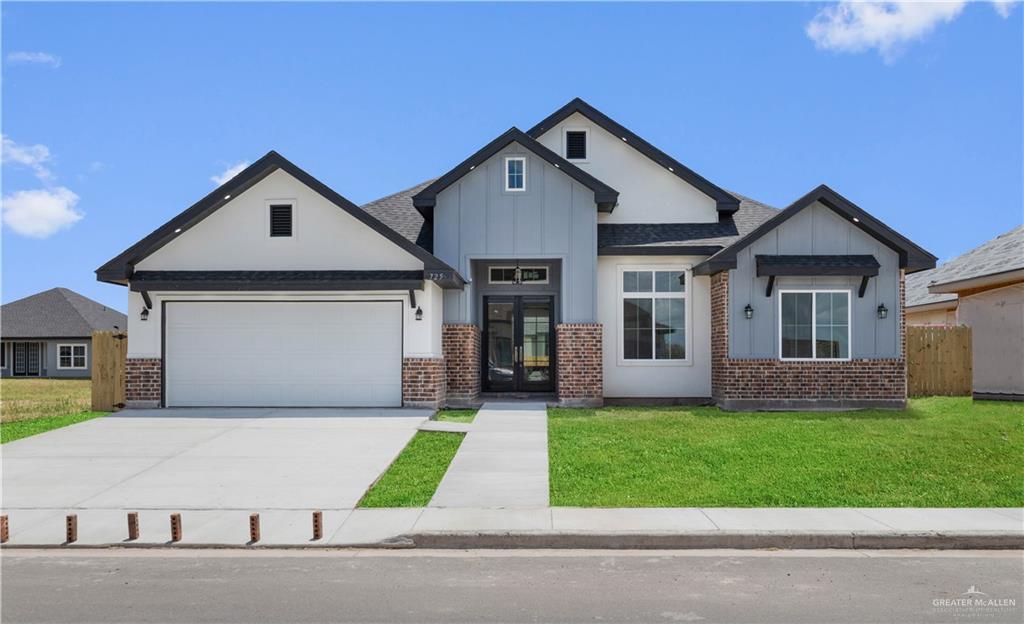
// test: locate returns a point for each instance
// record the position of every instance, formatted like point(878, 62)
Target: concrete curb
point(741, 540)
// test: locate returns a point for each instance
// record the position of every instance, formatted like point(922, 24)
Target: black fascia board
point(604, 196)
point(659, 250)
point(725, 202)
point(119, 270)
point(912, 257)
point(203, 281)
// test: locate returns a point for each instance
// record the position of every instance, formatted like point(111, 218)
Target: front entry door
point(518, 344)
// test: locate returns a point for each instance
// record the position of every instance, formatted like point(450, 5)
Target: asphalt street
point(510, 586)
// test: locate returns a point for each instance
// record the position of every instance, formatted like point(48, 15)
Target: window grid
point(71, 356)
point(515, 173)
point(814, 325)
point(653, 315)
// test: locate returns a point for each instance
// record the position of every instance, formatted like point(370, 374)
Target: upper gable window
point(515, 173)
point(280, 220)
point(575, 144)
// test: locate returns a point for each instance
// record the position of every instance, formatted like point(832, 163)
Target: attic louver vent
point(576, 145)
point(281, 220)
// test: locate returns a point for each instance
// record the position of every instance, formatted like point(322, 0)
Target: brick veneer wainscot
point(772, 382)
point(579, 364)
point(461, 346)
point(423, 382)
point(142, 383)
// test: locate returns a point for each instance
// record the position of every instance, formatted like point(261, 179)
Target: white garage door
point(285, 353)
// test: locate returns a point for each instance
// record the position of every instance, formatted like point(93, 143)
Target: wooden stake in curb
point(71, 533)
point(4, 530)
point(254, 527)
point(318, 525)
point(175, 527)
point(133, 525)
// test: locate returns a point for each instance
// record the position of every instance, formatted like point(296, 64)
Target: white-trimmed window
point(576, 146)
point(515, 173)
point(653, 310)
point(814, 324)
point(71, 356)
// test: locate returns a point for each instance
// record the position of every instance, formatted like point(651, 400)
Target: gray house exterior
point(49, 334)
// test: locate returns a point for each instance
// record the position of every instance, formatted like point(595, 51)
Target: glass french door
point(518, 344)
point(26, 359)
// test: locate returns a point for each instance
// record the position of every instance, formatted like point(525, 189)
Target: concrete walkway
point(502, 463)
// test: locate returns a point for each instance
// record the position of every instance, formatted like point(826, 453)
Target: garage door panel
point(284, 353)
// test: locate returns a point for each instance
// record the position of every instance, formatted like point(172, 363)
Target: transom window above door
point(653, 304)
point(515, 173)
point(527, 275)
point(71, 356)
point(814, 325)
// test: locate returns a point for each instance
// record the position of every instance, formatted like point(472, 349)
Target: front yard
point(31, 406)
point(941, 452)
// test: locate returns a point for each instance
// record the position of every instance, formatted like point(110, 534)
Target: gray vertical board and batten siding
point(48, 359)
point(555, 218)
point(815, 230)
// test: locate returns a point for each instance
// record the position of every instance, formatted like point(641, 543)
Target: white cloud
point(40, 213)
point(35, 157)
point(857, 26)
point(230, 172)
point(34, 58)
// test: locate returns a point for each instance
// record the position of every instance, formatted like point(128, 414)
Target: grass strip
point(413, 477)
point(15, 430)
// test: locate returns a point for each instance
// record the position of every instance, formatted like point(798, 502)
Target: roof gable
point(604, 196)
point(912, 257)
point(725, 202)
point(58, 313)
point(119, 269)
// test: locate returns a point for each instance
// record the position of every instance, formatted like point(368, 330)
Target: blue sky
point(117, 116)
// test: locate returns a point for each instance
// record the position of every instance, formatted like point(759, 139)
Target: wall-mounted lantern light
point(144, 315)
point(883, 312)
point(748, 312)
point(419, 313)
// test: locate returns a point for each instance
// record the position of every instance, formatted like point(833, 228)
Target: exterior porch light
point(748, 312)
point(144, 315)
point(883, 312)
point(419, 313)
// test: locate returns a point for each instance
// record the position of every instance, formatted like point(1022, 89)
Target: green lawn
point(412, 479)
point(17, 429)
point(941, 452)
point(457, 415)
point(31, 406)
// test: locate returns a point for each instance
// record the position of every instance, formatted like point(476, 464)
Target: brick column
point(142, 382)
point(579, 362)
point(461, 346)
point(719, 333)
point(423, 382)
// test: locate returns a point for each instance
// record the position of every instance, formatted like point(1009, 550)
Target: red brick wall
point(142, 381)
point(461, 345)
point(737, 382)
point(423, 382)
point(580, 371)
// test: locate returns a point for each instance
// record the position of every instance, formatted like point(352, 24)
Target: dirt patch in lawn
point(26, 399)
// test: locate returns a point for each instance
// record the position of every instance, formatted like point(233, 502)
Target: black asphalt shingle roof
point(397, 212)
point(811, 264)
point(57, 313)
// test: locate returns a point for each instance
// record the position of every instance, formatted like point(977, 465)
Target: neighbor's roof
point(58, 313)
point(1002, 254)
point(917, 290)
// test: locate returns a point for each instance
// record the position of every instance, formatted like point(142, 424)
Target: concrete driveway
point(207, 459)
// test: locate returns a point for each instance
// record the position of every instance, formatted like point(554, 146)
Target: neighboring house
point(988, 282)
point(49, 334)
point(574, 261)
point(925, 308)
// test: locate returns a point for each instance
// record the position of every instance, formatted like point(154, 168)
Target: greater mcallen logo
point(975, 600)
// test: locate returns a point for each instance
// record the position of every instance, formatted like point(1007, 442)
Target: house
point(925, 308)
point(49, 334)
point(988, 286)
point(574, 261)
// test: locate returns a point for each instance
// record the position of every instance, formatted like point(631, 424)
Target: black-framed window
point(280, 220)
point(576, 144)
point(3, 355)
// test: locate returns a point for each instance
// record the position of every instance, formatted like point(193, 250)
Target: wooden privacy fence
point(109, 350)
point(938, 361)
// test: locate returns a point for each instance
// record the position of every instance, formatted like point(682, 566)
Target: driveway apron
point(503, 462)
